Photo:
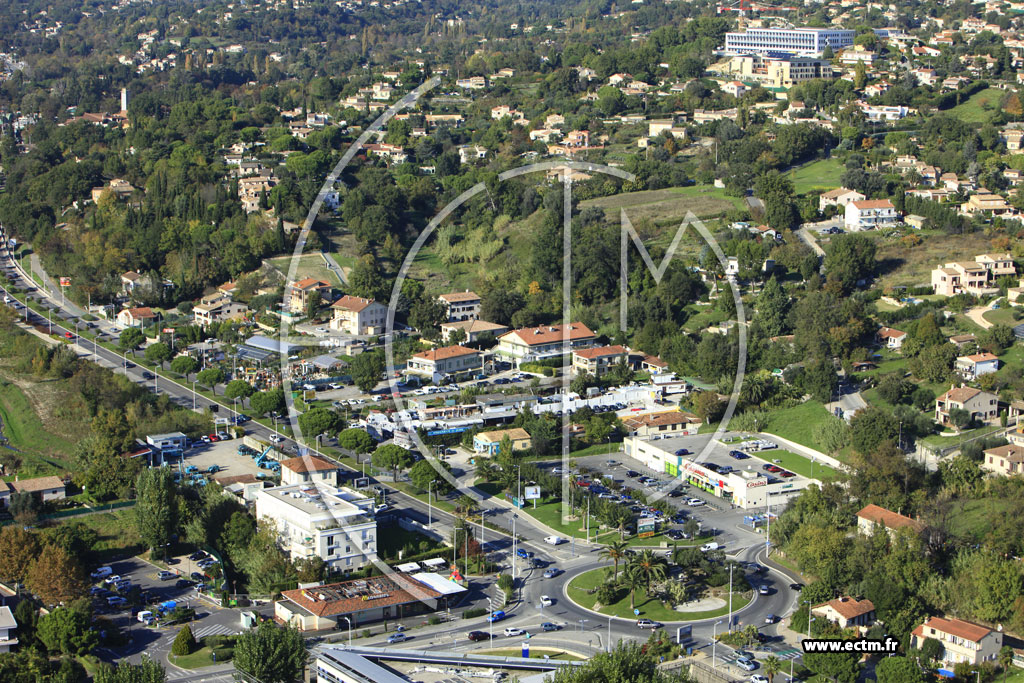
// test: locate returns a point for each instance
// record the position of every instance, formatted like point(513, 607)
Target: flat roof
point(322, 503)
point(259, 341)
point(359, 668)
point(439, 583)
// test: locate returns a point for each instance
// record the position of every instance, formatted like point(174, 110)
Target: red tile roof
point(311, 282)
point(548, 334)
point(352, 303)
point(600, 352)
point(849, 608)
point(889, 332)
point(670, 417)
point(456, 297)
point(445, 352)
point(888, 518)
point(960, 394)
point(955, 627)
point(37, 484)
point(873, 204)
point(360, 594)
point(308, 463)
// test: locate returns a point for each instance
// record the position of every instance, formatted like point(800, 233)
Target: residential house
point(847, 612)
point(461, 305)
point(873, 515)
point(868, 214)
point(1005, 460)
point(597, 360)
point(216, 308)
point(1015, 295)
point(47, 488)
point(117, 188)
point(988, 204)
point(136, 317)
point(444, 362)
point(131, 281)
point(976, 365)
point(962, 276)
point(840, 196)
point(473, 329)
point(7, 625)
point(982, 405)
point(472, 83)
point(490, 442)
point(1012, 138)
point(961, 341)
point(468, 153)
point(734, 88)
point(358, 316)
point(318, 520)
point(304, 291)
point(961, 640)
point(544, 341)
point(665, 423)
point(892, 338)
point(308, 469)
point(997, 265)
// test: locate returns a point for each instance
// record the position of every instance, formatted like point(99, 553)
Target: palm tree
point(771, 665)
point(650, 567)
point(464, 505)
point(615, 551)
point(486, 469)
point(632, 580)
point(1005, 659)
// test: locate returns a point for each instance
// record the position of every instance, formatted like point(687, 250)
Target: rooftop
point(514, 434)
point(360, 594)
point(352, 303)
point(848, 607)
point(955, 627)
point(308, 463)
point(888, 518)
point(445, 352)
point(460, 297)
point(600, 352)
point(548, 334)
point(327, 507)
point(37, 484)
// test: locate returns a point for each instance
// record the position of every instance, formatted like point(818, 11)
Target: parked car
point(198, 576)
point(197, 555)
point(694, 502)
point(164, 575)
point(183, 583)
point(479, 635)
point(102, 573)
point(113, 578)
point(758, 678)
point(683, 451)
point(796, 586)
point(117, 601)
point(648, 624)
point(632, 474)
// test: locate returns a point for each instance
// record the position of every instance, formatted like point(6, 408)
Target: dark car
point(675, 493)
point(198, 576)
point(682, 451)
point(147, 374)
point(786, 475)
point(183, 583)
point(479, 635)
point(197, 555)
point(548, 626)
point(632, 474)
point(796, 586)
point(674, 534)
point(738, 455)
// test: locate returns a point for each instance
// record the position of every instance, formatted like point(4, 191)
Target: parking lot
point(223, 454)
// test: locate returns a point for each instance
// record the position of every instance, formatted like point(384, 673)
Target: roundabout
point(580, 591)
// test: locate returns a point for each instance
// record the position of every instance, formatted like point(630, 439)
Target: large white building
point(797, 40)
point(746, 488)
point(336, 524)
point(545, 341)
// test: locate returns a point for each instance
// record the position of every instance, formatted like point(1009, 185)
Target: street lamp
point(515, 544)
point(193, 395)
point(609, 646)
point(714, 643)
point(349, 630)
point(430, 508)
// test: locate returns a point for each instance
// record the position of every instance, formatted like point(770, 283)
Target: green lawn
point(42, 450)
point(939, 441)
point(797, 423)
point(549, 512)
point(535, 653)
point(972, 518)
point(980, 107)
point(649, 608)
point(799, 464)
point(817, 176)
point(1001, 316)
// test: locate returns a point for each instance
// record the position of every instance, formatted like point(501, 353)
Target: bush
point(474, 612)
point(434, 620)
point(223, 654)
point(184, 642)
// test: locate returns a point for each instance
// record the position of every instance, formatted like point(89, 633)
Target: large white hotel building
point(796, 40)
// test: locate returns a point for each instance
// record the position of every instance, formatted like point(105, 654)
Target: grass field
point(116, 533)
point(650, 608)
point(535, 653)
point(980, 107)
point(797, 423)
point(310, 265)
point(40, 447)
point(669, 205)
point(817, 176)
point(913, 266)
point(1001, 316)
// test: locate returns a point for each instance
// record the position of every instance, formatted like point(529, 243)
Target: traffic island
point(657, 605)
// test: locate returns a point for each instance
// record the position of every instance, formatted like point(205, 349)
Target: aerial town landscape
point(381, 341)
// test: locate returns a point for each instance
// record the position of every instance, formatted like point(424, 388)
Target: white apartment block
point(461, 305)
point(868, 214)
point(799, 40)
point(337, 525)
point(356, 315)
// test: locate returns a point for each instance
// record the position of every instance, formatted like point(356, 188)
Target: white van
point(709, 546)
point(102, 573)
point(554, 540)
point(145, 616)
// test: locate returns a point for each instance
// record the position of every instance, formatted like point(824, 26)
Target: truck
point(167, 606)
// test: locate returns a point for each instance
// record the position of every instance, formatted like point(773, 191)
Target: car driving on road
point(648, 624)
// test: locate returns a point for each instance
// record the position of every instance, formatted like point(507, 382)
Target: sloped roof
point(888, 518)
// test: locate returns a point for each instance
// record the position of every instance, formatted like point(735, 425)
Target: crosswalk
point(216, 630)
point(791, 653)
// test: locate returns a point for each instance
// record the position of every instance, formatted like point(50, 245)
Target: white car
point(558, 470)
point(694, 502)
point(546, 601)
point(321, 330)
point(114, 578)
point(758, 678)
point(513, 631)
point(276, 439)
point(554, 540)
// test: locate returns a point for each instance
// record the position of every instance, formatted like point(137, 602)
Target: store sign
point(757, 482)
point(645, 534)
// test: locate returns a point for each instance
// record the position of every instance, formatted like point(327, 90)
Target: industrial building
point(796, 40)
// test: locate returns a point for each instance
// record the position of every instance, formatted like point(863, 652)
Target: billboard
point(531, 492)
point(65, 282)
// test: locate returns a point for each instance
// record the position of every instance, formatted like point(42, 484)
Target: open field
point(797, 423)
point(41, 445)
point(913, 266)
point(535, 653)
point(798, 463)
point(819, 175)
point(980, 107)
point(650, 608)
point(669, 205)
point(310, 265)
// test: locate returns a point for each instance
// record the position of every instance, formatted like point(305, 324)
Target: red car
point(774, 469)
point(786, 475)
point(69, 335)
point(214, 438)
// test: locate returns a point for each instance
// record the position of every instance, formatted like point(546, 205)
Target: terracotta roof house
point(871, 515)
point(670, 422)
point(846, 612)
point(543, 341)
point(597, 360)
point(472, 328)
point(136, 317)
point(461, 305)
point(974, 366)
point(961, 640)
point(446, 361)
point(308, 468)
point(1005, 460)
point(48, 488)
point(892, 338)
point(303, 290)
point(982, 405)
point(358, 316)
point(490, 442)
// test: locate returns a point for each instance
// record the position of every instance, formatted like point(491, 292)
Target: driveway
point(977, 313)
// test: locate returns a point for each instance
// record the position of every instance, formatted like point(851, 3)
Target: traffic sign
point(636, 612)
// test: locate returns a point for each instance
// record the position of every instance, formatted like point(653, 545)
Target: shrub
point(434, 620)
point(474, 612)
point(184, 642)
point(223, 654)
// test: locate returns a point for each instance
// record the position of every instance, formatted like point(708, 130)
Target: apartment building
point(303, 291)
point(961, 640)
point(461, 305)
point(797, 40)
point(868, 214)
point(444, 362)
point(962, 276)
point(544, 341)
point(358, 316)
point(989, 204)
point(778, 70)
point(598, 360)
point(216, 308)
point(314, 519)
